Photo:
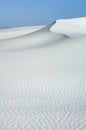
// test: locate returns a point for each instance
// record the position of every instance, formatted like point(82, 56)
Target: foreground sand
point(43, 77)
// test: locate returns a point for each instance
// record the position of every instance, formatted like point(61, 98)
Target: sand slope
point(15, 32)
point(43, 79)
point(71, 27)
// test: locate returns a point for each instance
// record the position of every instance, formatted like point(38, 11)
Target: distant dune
point(4, 27)
point(43, 76)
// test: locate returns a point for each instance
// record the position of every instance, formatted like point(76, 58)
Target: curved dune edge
point(75, 27)
point(33, 40)
point(16, 32)
point(43, 80)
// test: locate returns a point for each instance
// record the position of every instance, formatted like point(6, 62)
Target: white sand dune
point(37, 39)
point(71, 27)
point(15, 32)
point(43, 77)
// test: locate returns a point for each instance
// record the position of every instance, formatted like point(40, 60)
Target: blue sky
point(35, 12)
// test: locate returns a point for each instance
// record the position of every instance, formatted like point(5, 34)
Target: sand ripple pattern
point(43, 82)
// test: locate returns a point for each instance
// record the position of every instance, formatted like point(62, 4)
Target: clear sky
point(37, 12)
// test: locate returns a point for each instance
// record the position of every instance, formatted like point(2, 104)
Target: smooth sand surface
point(43, 77)
point(15, 32)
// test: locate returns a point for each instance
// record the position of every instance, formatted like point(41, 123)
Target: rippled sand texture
point(43, 77)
